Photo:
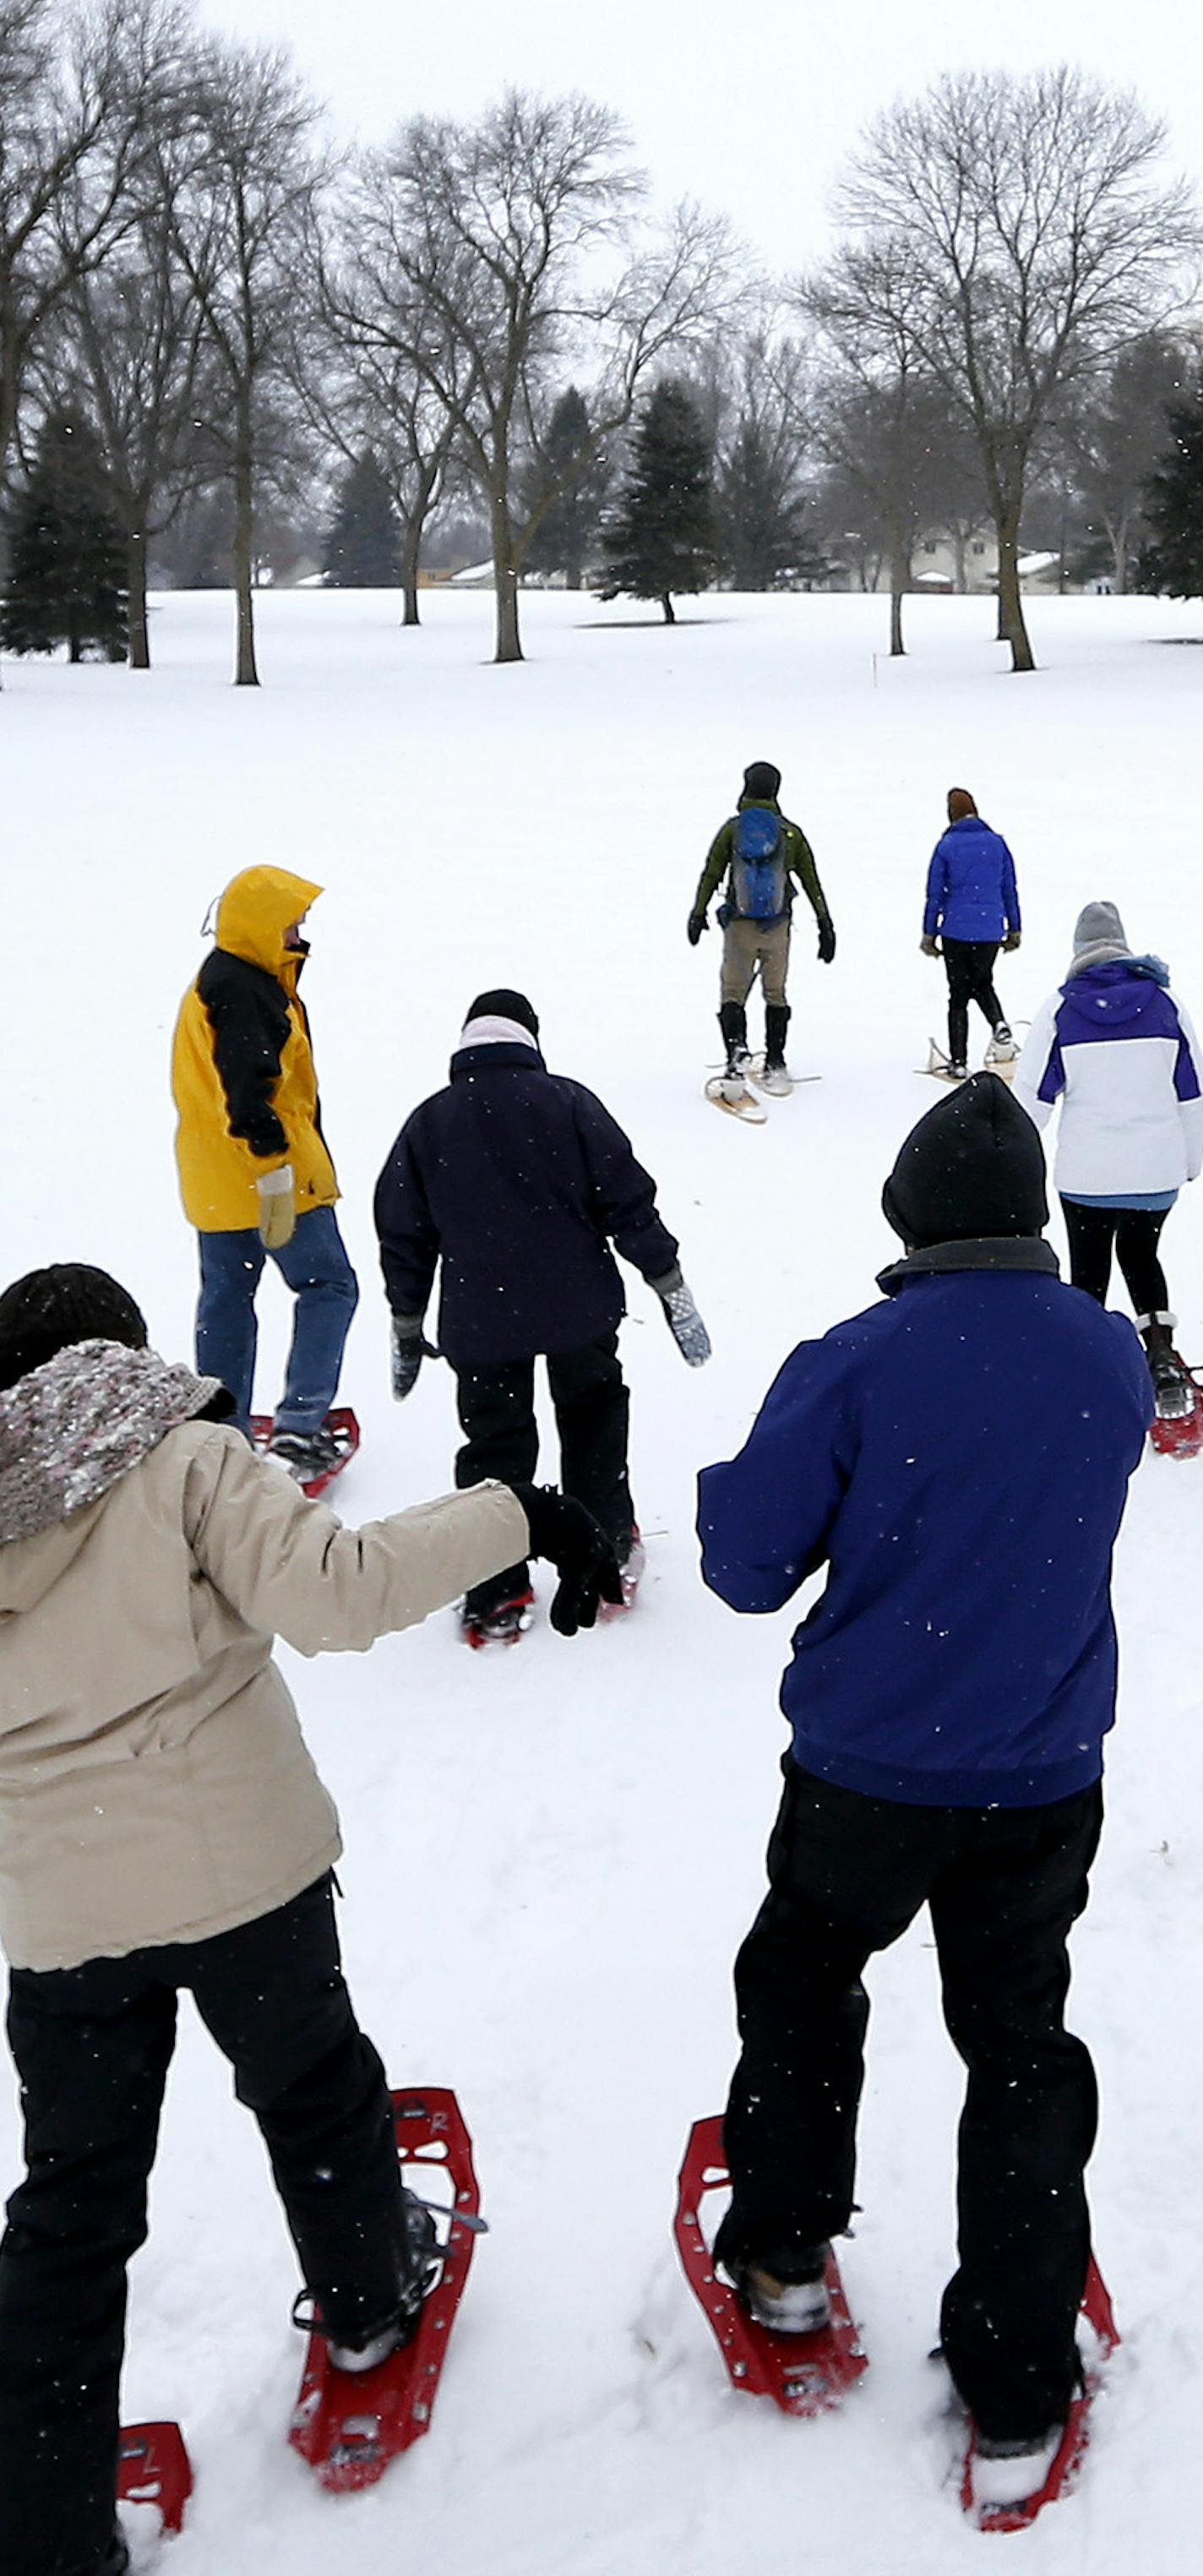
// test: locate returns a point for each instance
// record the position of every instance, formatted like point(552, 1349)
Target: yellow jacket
point(242, 1071)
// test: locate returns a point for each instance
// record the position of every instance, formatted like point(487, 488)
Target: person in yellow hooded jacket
point(255, 1173)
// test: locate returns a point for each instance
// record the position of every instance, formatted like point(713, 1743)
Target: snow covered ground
point(552, 1854)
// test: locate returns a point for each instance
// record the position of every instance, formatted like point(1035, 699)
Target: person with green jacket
point(765, 859)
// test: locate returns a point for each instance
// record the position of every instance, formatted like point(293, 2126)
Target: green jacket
point(799, 861)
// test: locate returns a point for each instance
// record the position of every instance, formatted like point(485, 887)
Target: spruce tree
point(663, 536)
point(363, 542)
point(762, 530)
point(1173, 562)
point(67, 556)
point(565, 533)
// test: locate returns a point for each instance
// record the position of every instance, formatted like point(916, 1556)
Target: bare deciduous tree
point(478, 253)
point(237, 187)
point(1038, 239)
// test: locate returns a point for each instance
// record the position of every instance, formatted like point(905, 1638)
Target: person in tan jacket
point(162, 1826)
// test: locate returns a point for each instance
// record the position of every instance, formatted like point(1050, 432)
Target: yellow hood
point(255, 911)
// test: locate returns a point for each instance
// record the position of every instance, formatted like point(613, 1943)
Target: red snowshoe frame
point(1179, 1435)
point(351, 2425)
point(1098, 2312)
point(345, 1426)
point(803, 2374)
point(153, 2467)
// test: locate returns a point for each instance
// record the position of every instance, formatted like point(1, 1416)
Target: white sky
point(749, 105)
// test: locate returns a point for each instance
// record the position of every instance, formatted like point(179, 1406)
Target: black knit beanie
point(974, 1166)
point(762, 781)
point(504, 1005)
point(47, 1310)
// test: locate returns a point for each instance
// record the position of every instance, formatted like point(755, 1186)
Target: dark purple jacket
point(517, 1179)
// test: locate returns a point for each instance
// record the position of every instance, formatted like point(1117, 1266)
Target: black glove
point(1011, 942)
point(826, 942)
point(410, 1348)
point(697, 924)
point(584, 1558)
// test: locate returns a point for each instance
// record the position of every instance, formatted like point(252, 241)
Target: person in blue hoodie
point(972, 905)
point(957, 1458)
point(1115, 1051)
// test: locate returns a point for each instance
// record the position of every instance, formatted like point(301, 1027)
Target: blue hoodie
point(958, 1457)
point(971, 891)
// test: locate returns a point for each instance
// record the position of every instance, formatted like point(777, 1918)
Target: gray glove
point(410, 1348)
point(684, 1322)
point(928, 946)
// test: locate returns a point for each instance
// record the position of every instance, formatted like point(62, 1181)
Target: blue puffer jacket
point(516, 1178)
point(971, 891)
point(958, 1458)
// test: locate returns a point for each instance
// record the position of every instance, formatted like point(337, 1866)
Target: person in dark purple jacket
point(972, 906)
point(518, 1180)
point(957, 1459)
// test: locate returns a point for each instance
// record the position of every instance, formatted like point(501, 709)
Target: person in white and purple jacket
point(1115, 1049)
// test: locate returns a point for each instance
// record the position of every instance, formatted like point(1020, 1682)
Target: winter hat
point(960, 805)
point(1099, 926)
point(973, 1166)
point(504, 1005)
point(70, 1302)
point(762, 782)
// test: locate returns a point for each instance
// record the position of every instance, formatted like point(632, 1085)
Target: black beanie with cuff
point(47, 1310)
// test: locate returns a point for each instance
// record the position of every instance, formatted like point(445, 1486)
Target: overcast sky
point(746, 104)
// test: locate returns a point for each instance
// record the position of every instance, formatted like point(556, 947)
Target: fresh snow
point(553, 1852)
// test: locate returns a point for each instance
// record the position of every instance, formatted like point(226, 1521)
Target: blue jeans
point(316, 1268)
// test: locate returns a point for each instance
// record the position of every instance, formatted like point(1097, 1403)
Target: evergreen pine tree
point(363, 543)
point(663, 535)
point(762, 531)
point(67, 557)
point(1174, 507)
point(564, 534)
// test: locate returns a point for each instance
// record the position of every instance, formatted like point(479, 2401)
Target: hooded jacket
point(971, 891)
point(1118, 1053)
point(242, 1064)
point(516, 1178)
point(958, 1458)
point(154, 1782)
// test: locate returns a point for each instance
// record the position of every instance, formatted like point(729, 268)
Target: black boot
point(776, 1022)
point(1173, 1386)
point(733, 1021)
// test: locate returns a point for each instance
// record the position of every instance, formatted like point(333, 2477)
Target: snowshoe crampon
point(804, 2374)
point(503, 1625)
point(153, 2467)
point(1067, 2459)
point(342, 1424)
point(350, 2425)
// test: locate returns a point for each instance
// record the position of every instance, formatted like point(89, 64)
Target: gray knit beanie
point(1098, 925)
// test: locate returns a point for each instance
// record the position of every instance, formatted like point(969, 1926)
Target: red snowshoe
point(804, 2374)
point(1177, 1427)
point(334, 1449)
point(631, 1569)
point(350, 2425)
point(153, 2467)
point(503, 1625)
point(1071, 2450)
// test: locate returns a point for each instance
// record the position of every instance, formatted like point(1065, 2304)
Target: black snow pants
point(969, 966)
point(847, 1874)
point(1134, 1234)
point(501, 1438)
point(92, 2047)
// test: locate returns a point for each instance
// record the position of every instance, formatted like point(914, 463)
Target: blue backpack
point(758, 872)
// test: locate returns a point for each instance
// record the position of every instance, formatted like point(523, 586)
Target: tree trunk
point(139, 630)
point(900, 573)
point(245, 674)
point(960, 562)
point(411, 547)
point(573, 577)
point(1119, 549)
point(897, 646)
point(670, 614)
point(1011, 627)
point(505, 577)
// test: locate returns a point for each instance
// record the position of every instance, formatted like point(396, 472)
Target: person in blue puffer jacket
point(972, 907)
point(957, 1459)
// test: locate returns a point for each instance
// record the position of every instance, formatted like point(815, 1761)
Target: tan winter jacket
point(154, 1783)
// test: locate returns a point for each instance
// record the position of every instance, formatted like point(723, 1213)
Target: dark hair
point(47, 1310)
